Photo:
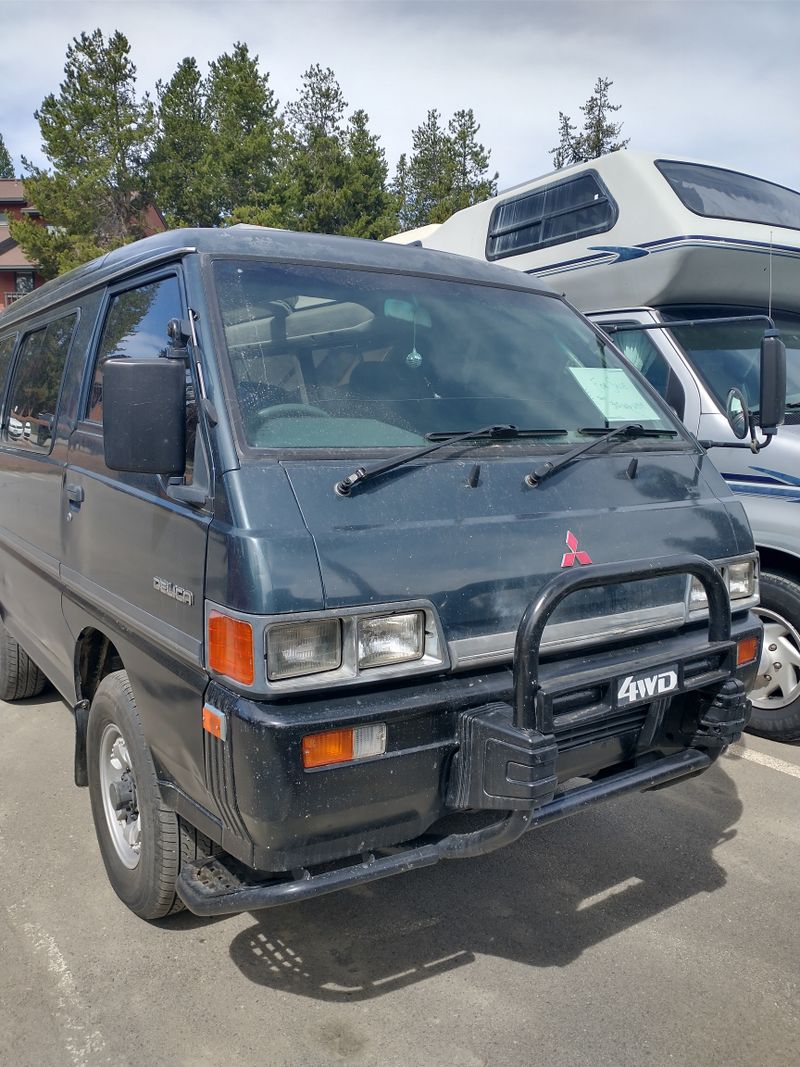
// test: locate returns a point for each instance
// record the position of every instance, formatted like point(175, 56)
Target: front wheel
point(139, 836)
point(776, 690)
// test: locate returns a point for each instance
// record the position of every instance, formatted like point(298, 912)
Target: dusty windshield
point(729, 355)
point(322, 358)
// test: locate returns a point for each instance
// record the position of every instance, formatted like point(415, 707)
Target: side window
point(36, 384)
point(136, 325)
point(649, 361)
point(6, 352)
point(563, 211)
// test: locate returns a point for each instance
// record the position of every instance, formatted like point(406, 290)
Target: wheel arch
point(776, 559)
point(96, 656)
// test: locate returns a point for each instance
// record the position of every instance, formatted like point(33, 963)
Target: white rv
point(639, 239)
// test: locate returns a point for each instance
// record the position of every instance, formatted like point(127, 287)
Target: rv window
point(562, 211)
point(34, 392)
point(725, 194)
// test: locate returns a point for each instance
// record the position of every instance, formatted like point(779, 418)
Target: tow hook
point(725, 717)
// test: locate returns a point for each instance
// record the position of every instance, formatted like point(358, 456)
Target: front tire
point(20, 678)
point(776, 690)
point(139, 837)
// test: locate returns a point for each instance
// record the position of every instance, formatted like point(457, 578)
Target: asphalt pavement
point(660, 929)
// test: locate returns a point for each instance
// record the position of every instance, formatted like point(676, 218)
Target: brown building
point(17, 274)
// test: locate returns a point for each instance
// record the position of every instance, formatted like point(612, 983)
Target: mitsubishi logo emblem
point(568, 559)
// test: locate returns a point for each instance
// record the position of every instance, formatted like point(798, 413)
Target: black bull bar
point(506, 758)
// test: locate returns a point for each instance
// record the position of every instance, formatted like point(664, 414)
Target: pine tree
point(96, 135)
point(429, 171)
point(178, 165)
point(316, 171)
point(319, 109)
point(599, 135)
point(469, 166)
point(448, 170)
point(400, 189)
point(564, 153)
point(6, 163)
point(245, 141)
point(369, 208)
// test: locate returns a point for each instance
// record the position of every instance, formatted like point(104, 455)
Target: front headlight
point(740, 578)
point(391, 639)
point(340, 647)
point(297, 648)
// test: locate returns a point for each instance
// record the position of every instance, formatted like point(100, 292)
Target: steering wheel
point(281, 411)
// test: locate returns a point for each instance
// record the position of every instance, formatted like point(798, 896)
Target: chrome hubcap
point(778, 682)
point(118, 788)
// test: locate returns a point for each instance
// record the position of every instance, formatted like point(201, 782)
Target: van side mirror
point(144, 416)
point(772, 402)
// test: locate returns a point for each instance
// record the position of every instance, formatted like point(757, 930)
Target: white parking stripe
point(80, 1041)
point(740, 752)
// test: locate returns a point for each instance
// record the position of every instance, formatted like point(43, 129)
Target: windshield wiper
point(603, 435)
point(361, 474)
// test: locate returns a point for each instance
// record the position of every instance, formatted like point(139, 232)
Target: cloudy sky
point(711, 79)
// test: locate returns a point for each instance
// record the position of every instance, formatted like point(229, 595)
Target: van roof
point(271, 244)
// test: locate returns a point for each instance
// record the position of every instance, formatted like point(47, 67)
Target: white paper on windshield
point(614, 394)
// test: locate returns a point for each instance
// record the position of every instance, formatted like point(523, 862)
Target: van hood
point(481, 554)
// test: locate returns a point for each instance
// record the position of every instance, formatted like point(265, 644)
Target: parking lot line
point(773, 762)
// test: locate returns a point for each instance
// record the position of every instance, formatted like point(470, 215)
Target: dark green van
point(324, 540)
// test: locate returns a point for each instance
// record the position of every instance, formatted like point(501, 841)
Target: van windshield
point(728, 356)
point(326, 358)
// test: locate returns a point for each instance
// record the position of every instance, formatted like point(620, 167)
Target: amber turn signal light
point(746, 651)
point(230, 648)
point(343, 746)
point(335, 746)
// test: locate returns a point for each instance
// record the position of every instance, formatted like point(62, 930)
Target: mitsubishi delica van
point(325, 540)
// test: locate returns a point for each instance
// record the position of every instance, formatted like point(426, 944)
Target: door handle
point(75, 493)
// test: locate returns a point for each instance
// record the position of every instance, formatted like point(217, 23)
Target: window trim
point(493, 231)
point(725, 170)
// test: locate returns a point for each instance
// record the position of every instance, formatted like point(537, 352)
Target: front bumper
point(500, 741)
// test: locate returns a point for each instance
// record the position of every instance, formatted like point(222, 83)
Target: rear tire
point(140, 838)
point(20, 678)
point(776, 691)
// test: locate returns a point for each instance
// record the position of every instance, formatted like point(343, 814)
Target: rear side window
point(36, 384)
point(6, 351)
point(135, 326)
point(563, 211)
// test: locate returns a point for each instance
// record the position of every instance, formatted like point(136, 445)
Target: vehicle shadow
point(541, 902)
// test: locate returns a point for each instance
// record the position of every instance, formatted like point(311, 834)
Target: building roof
point(11, 255)
point(12, 191)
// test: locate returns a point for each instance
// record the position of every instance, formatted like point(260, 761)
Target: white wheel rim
point(778, 682)
point(116, 777)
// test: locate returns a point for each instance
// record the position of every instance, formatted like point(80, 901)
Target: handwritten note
point(614, 394)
